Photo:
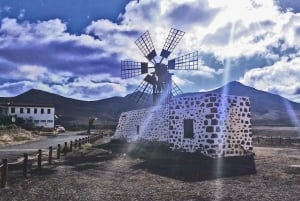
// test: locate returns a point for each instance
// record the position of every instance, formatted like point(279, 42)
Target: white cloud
point(281, 78)
point(234, 28)
point(49, 55)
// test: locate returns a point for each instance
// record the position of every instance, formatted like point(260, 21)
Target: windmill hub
point(160, 69)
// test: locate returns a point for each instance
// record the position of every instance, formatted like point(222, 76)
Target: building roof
point(26, 105)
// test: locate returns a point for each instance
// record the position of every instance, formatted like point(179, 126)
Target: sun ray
point(292, 114)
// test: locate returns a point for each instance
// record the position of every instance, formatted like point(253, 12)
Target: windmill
point(158, 83)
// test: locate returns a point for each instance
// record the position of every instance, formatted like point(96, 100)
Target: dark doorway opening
point(188, 126)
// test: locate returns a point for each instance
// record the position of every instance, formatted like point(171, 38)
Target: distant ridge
point(267, 108)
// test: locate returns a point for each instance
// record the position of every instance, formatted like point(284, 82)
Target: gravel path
point(98, 174)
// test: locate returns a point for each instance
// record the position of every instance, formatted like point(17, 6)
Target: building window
point(36, 121)
point(21, 110)
point(12, 110)
point(49, 121)
point(35, 110)
point(137, 129)
point(42, 111)
point(43, 121)
point(48, 111)
point(28, 110)
point(188, 127)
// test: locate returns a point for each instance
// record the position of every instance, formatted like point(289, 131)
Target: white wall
point(44, 120)
point(153, 124)
point(222, 124)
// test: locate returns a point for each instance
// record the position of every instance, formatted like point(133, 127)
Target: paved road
point(15, 151)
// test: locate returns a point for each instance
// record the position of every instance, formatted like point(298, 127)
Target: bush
point(21, 138)
point(3, 127)
point(12, 126)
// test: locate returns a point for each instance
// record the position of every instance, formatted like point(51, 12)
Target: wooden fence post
point(71, 146)
point(79, 143)
point(25, 165)
point(58, 151)
point(75, 144)
point(39, 159)
point(50, 155)
point(4, 171)
point(65, 149)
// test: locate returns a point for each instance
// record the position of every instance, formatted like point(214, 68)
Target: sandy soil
point(103, 174)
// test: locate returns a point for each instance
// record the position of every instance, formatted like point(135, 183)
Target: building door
point(188, 128)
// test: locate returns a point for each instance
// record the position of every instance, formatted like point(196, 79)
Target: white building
point(40, 115)
point(212, 124)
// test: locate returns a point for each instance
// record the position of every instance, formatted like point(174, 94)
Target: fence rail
point(277, 140)
point(77, 144)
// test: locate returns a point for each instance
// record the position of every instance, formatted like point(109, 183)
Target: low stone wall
point(147, 124)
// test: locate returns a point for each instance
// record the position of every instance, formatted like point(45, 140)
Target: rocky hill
point(267, 108)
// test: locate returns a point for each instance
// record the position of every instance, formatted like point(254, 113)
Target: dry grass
point(16, 135)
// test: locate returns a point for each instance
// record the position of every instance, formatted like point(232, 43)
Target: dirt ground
point(103, 174)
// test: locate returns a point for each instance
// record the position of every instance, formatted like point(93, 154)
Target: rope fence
point(42, 157)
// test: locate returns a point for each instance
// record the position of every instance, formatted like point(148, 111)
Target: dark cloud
point(221, 37)
point(65, 56)
point(280, 49)
point(297, 30)
point(209, 59)
point(297, 92)
point(240, 30)
point(188, 14)
point(285, 5)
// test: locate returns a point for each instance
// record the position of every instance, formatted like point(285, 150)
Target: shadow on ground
point(15, 171)
point(192, 168)
point(159, 159)
point(89, 159)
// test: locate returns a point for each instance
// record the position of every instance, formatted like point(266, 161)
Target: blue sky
point(74, 47)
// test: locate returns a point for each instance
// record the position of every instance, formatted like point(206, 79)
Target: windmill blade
point(176, 91)
point(186, 62)
point(145, 44)
point(143, 94)
point(132, 68)
point(172, 40)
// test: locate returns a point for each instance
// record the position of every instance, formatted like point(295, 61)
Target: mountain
point(267, 108)
point(74, 112)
